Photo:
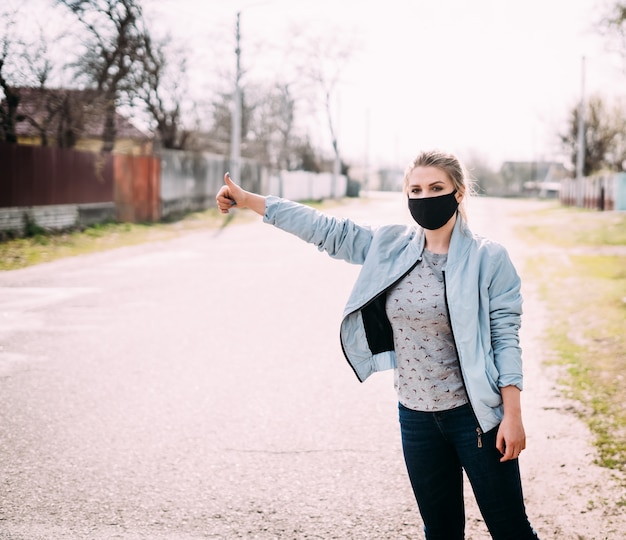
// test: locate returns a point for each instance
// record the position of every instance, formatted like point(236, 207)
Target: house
point(73, 118)
point(540, 178)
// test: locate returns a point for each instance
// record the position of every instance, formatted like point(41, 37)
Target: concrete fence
point(190, 181)
point(303, 185)
point(56, 216)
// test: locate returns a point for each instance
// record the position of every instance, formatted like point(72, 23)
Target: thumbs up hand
point(229, 196)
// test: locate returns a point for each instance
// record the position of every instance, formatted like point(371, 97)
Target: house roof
point(534, 170)
point(50, 107)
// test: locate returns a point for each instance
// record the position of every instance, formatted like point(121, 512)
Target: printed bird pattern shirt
point(427, 375)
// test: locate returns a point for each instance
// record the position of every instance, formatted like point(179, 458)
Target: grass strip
point(48, 246)
point(581, 268)
point(43, 246)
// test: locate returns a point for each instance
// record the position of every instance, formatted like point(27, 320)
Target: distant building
point(391, 179)
point(73, 118)
point(538, 178)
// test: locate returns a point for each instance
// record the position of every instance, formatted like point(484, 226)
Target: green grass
point(43, 247)
point(583, 281)
point(573, 227)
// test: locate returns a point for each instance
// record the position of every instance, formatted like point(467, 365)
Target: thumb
point(229, 182)
point(231, 193)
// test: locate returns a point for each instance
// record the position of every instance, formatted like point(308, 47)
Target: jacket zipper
point(367, 304)
point(393, 284)
point(479, 431)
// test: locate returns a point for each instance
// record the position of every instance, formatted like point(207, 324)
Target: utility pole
point(366, 160)
point(580, 155)
point(235, 131)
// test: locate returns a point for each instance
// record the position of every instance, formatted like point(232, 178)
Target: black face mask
point(433, 212)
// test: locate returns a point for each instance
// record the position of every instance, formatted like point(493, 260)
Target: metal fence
point(57, 188)
point(601, 192)
point(44, 175)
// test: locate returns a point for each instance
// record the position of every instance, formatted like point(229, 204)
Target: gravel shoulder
point(568, 495)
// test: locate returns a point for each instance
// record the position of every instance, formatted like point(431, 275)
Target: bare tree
point(324, 59)
point(161, 86)
point(304, 157)
point(268, 128)
point(604, 136)
point(613, 24)
point(269, 133)
point(114, 50)
point(221, 116)
point(26, 69)
point(42, 107)
point(11, 98)
point(22, 64)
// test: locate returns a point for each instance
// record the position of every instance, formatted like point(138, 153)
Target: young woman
point(442, 307)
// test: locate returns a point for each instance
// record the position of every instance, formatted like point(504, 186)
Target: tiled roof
point(83, 106)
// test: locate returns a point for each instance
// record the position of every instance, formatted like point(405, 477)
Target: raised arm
point(340, 238)
point(231, 195)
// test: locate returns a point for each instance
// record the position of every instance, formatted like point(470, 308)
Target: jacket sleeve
point(340, 238)
point(505, 312)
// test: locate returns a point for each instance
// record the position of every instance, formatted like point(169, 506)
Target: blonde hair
point(448, 163)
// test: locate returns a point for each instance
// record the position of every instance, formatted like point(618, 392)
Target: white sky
point(493, 78)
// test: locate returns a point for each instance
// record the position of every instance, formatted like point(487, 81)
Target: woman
point(442, 307)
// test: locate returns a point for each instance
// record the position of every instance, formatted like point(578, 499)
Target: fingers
point(511, 451)
point(507, 454)
point(500, 442)
point(510, 443)
point(225, 197)
point(224, 201)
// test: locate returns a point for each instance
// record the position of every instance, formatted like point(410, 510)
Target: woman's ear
point(458, 196)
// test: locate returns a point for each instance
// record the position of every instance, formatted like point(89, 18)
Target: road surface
point(196, 389)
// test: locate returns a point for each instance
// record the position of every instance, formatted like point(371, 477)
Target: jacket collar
point(460, 241)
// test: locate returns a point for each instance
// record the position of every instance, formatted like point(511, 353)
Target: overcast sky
point(491, 77)
point(494, 78)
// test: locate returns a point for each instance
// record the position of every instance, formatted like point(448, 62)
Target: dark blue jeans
point(437, 447)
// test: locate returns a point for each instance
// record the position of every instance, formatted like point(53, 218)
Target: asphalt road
point(196, 389)
point(192, 389)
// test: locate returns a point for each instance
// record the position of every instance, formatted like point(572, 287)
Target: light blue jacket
point(482, 293)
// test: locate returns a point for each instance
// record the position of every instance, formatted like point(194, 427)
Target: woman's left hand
point(511, 438)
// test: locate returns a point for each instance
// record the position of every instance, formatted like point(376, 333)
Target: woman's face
point(425, 182)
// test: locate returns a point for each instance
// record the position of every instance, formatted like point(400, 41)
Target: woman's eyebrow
point(436, 182)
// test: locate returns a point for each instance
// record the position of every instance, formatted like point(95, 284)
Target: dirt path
point(568, 496)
